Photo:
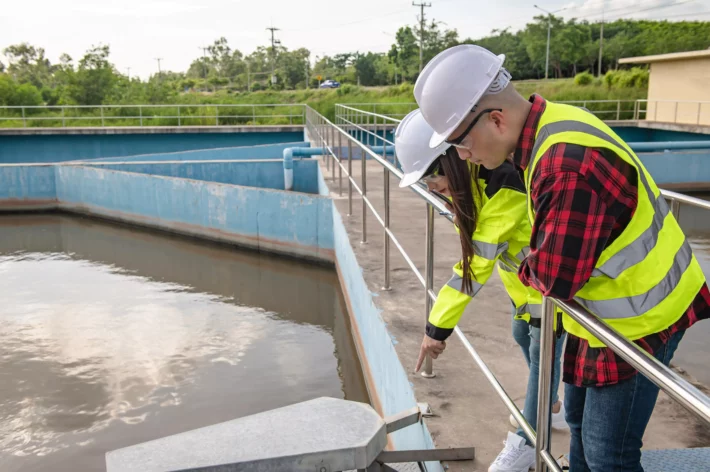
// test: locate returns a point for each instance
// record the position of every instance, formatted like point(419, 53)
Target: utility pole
point(422, 20)
point(306, 74)
point(601, 38)
point(158, 59)
point(549, 28)
point(204, 60)
point(274, 42)
point(129, 73)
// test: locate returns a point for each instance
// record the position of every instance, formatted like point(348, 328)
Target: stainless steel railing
point(363, 129)
point(689, 112)
point(151, 115)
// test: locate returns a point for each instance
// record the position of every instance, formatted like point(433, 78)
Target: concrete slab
point(467, 410)
point(308, 436)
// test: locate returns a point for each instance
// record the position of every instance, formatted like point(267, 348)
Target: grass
point(323, 101)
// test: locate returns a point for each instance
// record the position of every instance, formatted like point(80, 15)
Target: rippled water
point(112, 336)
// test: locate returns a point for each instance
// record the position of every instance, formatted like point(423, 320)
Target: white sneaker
point(516, 456)
point(558, 420)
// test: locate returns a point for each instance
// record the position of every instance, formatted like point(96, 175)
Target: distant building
point(679, 84)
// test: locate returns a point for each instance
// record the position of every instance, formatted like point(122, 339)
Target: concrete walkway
point(468, 412)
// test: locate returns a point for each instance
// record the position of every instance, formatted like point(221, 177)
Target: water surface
point(112, 336)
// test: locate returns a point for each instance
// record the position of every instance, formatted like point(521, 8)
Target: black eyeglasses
point(433, 171)
point(457, 142)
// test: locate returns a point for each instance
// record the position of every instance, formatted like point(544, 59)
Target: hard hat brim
point(437, 139)
point(410, 179)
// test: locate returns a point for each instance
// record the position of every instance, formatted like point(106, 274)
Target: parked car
point(330, 84)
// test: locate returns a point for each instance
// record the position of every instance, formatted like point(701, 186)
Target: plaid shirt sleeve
point(575, 218)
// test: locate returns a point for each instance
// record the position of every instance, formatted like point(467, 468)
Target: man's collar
point(526, 142)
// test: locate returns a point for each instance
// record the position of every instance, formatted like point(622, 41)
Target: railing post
point(216, 115)
point(675, 209)
point(363, 158)
point(64, 122)
point(332, 151)
point(429, 269)
point(140, 113)
point(637, 109)
point(675, 113)
point(101, 107)
point(700, 106)
point(340, 164)
point(179, 123)
point(253, 115)
point(387, 220)
point(350, 177)
point(544, 398)
point(618, 110)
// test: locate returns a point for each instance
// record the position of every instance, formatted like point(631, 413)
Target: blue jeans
point(528, 337)
point(607, 423)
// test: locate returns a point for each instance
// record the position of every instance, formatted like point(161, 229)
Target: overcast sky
point(139, 31)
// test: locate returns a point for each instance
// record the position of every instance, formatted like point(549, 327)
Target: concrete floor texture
point(467, 410)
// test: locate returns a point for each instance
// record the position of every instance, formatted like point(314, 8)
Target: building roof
point(676, 56)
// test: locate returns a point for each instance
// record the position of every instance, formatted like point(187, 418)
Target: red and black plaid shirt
point(583, 199)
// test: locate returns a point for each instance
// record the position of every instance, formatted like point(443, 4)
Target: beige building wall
point(677, 81)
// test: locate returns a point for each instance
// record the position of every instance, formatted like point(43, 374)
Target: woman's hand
point(430, 347)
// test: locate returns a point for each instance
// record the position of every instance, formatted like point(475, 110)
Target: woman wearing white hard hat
point(491, 216)
point(602, 234)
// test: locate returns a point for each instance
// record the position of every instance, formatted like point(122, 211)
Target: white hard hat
point(452, 83)
point(411, 142)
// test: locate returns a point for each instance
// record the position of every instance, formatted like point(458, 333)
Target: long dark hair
point(465, 192)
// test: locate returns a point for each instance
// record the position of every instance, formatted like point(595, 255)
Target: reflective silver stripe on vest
point(519, 256)
point(639, 304)
point(535, 310)
point(506, 267)
point(489, 250)
point(456, 282)
point(635, 252)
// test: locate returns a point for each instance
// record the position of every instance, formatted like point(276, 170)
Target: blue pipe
point(669, 146)
point(289, 154)
point(379, 149)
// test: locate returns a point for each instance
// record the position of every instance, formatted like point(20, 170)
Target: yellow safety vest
point(646, 279)
point(502, 235)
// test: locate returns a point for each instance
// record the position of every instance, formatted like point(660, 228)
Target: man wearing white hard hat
point(491, 214)
point(601, 234)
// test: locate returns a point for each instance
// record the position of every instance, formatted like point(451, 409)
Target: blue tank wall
point(632, 134)
point(682, 170)
point(263, 151)
point(59, 148)
point(260, 174)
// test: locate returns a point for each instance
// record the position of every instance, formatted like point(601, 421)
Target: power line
point(422, 6)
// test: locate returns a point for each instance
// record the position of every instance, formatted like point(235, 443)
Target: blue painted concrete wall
point(59, 148)
point(27, 186)
point(691, 167)
point(264, 151)
point(283, 222)
point(390, 389)
point(263, 174)
point(637, 135)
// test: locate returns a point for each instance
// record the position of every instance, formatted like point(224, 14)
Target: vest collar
point(526, 142)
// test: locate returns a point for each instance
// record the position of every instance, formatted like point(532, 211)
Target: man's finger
point(420, 361)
